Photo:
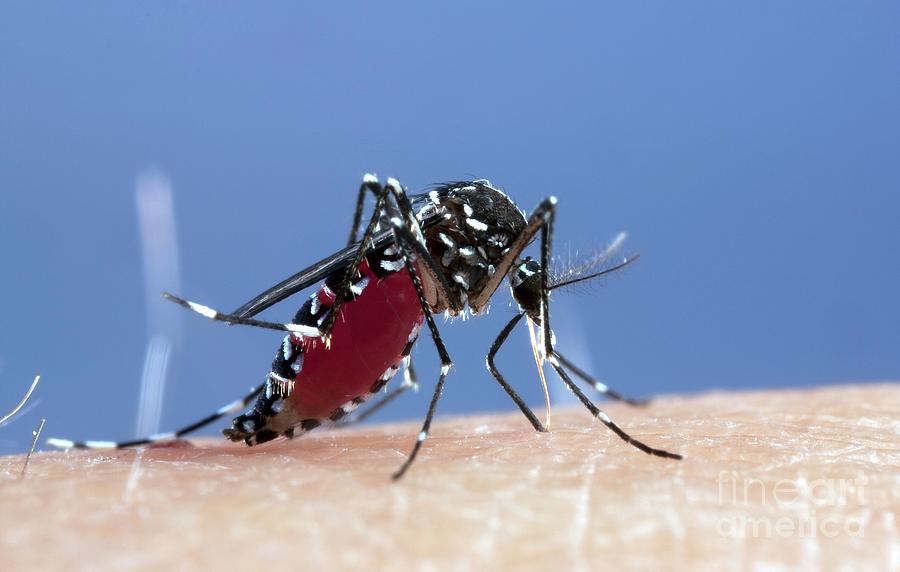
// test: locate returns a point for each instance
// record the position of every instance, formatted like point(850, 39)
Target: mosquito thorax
point(525, 283)
point(478, 227)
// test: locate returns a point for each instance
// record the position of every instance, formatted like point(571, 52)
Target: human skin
point(776, 479)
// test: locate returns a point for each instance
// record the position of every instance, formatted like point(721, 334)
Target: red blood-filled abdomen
point(368, 338)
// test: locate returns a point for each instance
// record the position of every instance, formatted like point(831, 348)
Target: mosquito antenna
point(609, 270)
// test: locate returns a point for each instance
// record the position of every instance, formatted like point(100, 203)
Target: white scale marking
point(203, 310)
point(100, 444)
point(392, 265)
point(476, 224)
point(360, 286)
point(308, 331)
point(235, 405)
point(414, 332)
point(461, 280)
point(446, 240)
point(60, 443)
point(272, 375)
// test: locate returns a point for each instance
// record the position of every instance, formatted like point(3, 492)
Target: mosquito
point(443, 251)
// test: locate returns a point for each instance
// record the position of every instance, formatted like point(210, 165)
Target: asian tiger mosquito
point(439, 251)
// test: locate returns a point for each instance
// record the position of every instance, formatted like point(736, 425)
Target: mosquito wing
point(335, 263)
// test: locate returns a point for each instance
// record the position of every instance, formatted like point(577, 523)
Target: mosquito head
point(525, 282)
point(477, 226)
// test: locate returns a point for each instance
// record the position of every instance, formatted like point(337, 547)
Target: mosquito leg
point(546, 229)
point(410, 379)
point(369, 184)
point(229, 409)
point(551, 355)
point(546, 245)
point(429, 264)
point(308, 331)
point(410, 234)
point(495, 347)
point(393, 188)
point(603, 417)
point(426, 426)
point(407, 247)
point(446, 364)
point(412, 245)
point(342, 293)
point(600, 387)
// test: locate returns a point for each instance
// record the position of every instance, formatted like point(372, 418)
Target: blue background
point(750, 149)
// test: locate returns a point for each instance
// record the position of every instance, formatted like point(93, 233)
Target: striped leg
point(603, 417)
point(206, 311)
point(555, 359)
point(368, 185)
point(416, 258)
point(409, 233)
point(231, 408)
point(408, 236)
point(600, 387)
point(495, 347)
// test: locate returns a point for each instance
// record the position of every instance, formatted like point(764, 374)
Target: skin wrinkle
point(319, 499)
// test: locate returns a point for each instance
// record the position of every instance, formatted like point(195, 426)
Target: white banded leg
point(212, 314)
point(230, 409)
